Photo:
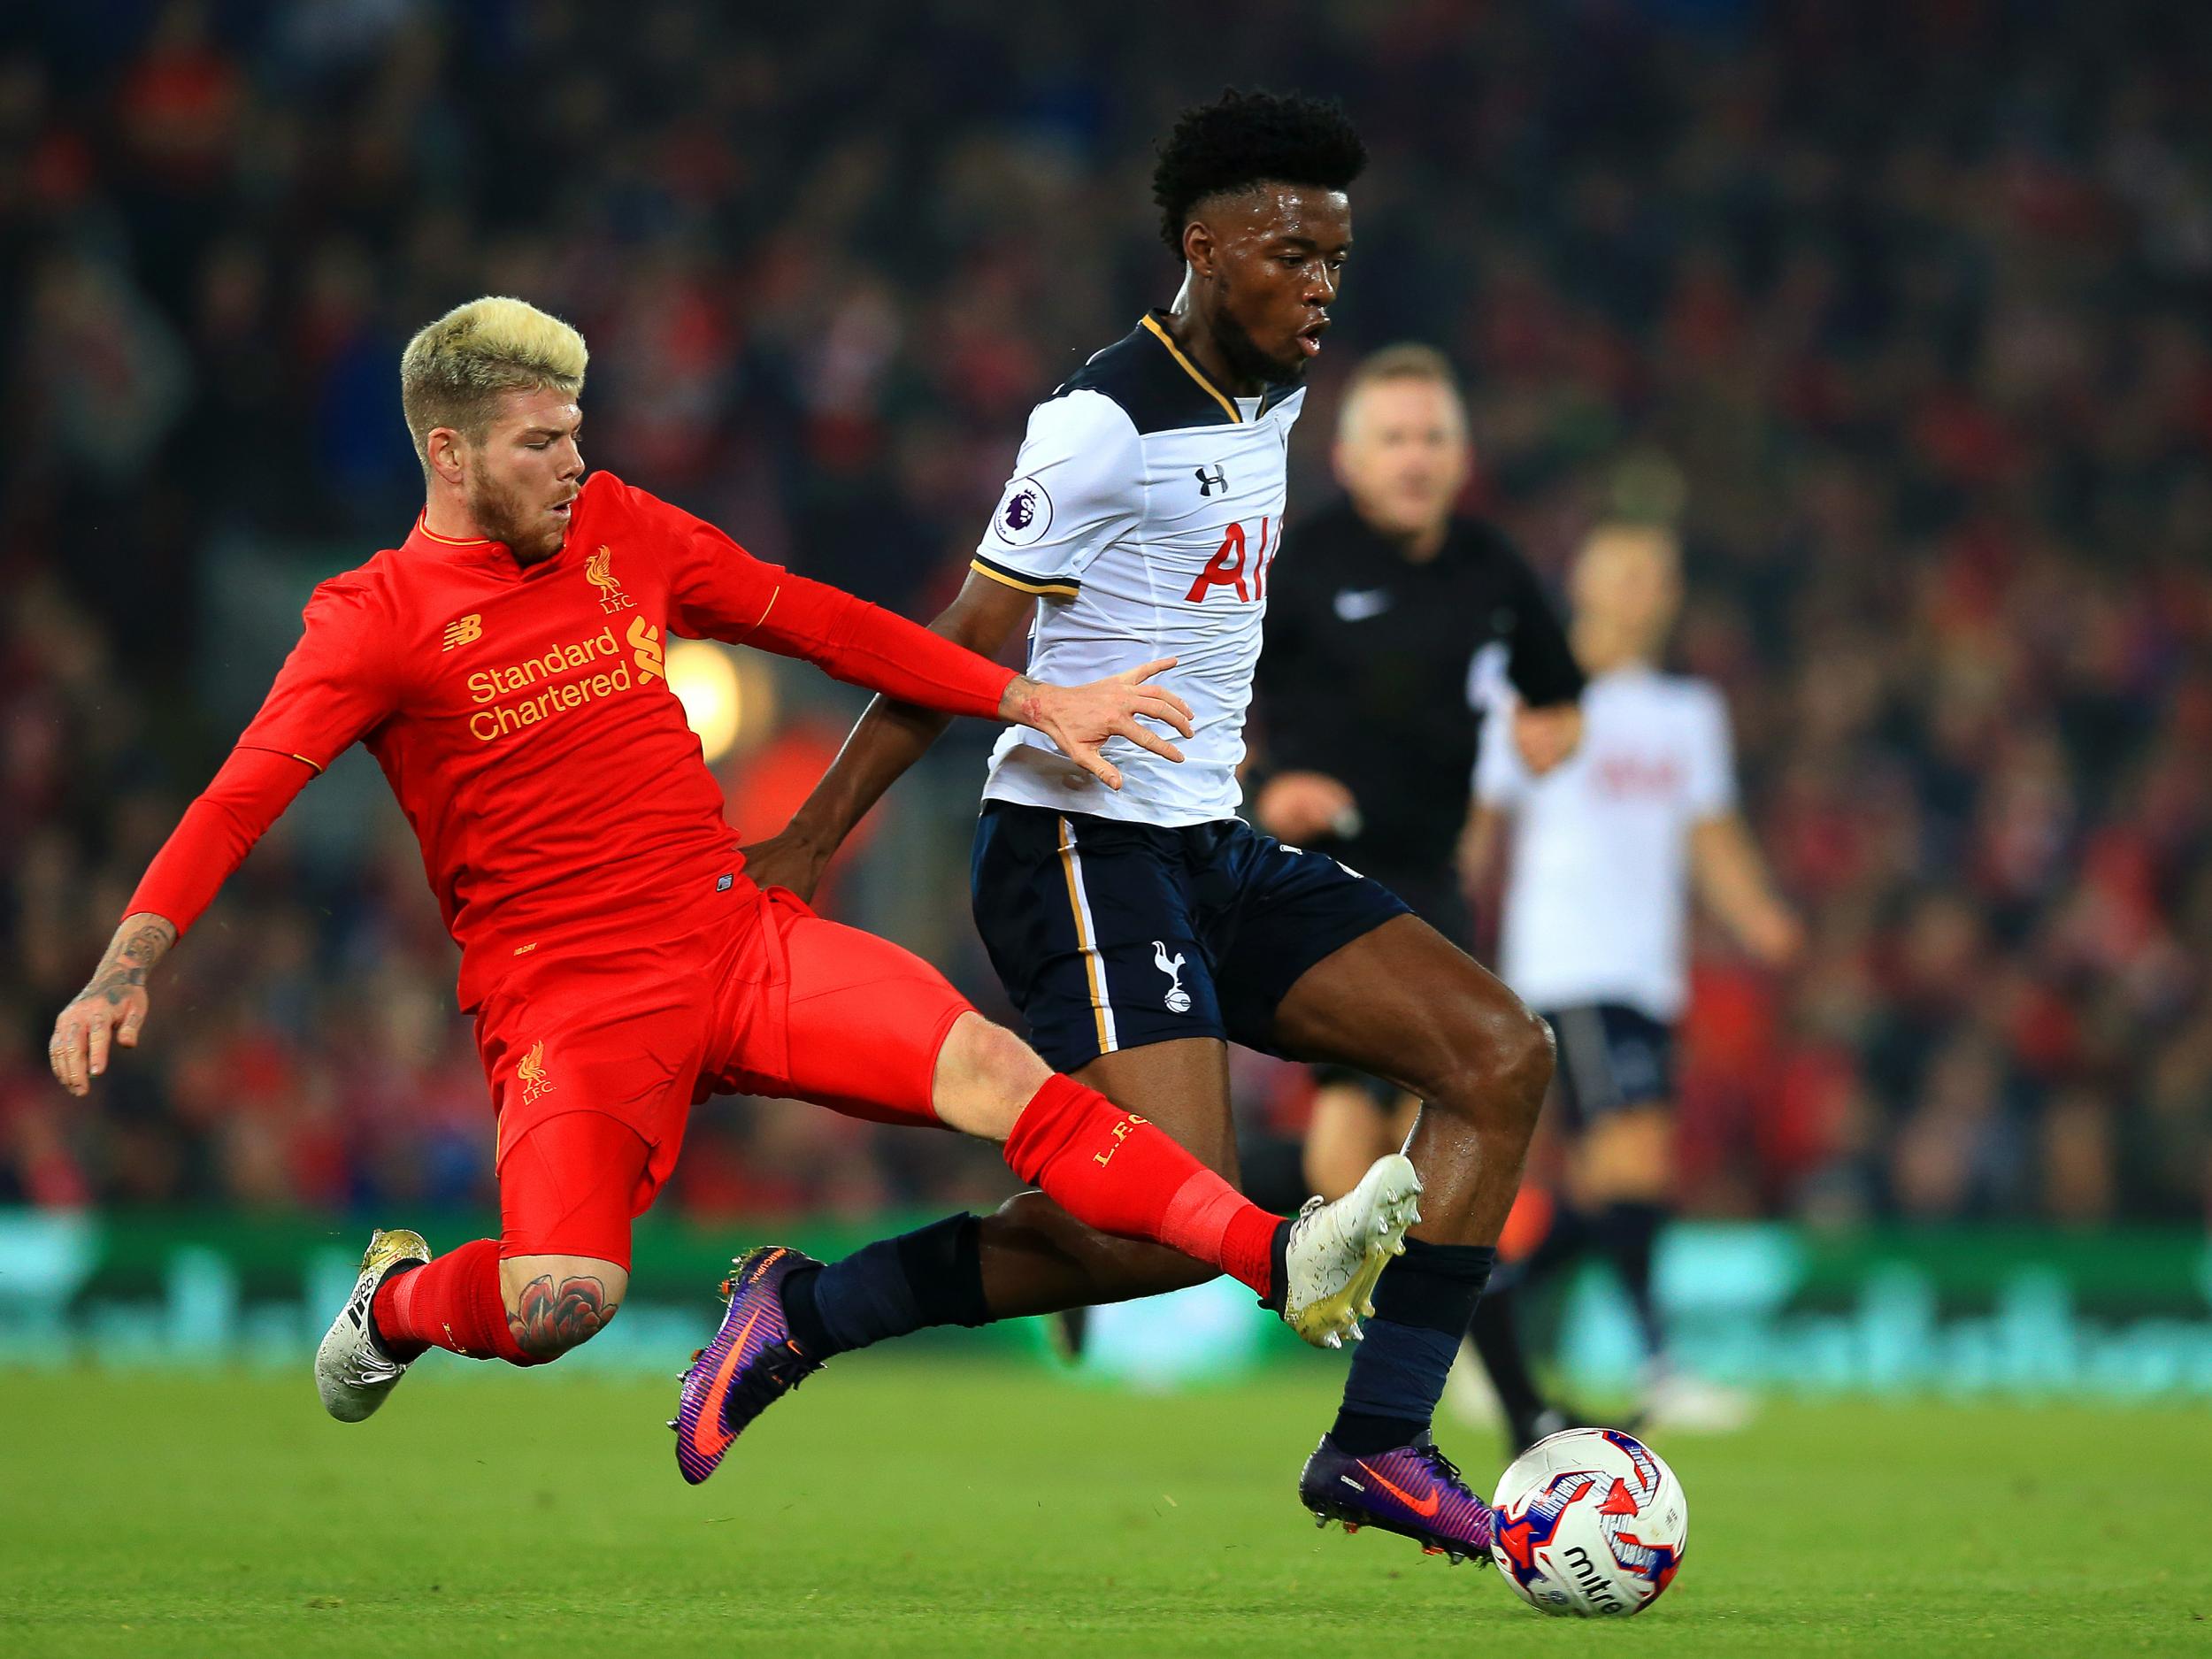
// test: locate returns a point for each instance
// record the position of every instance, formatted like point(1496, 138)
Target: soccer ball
point(1591, 1523)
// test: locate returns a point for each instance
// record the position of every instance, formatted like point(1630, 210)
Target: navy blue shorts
point(1110, 935)
point(1611, 1056)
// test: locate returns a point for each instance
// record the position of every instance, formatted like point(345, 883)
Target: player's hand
point(787, 859)
point(1547, 737)
point(1304, 806)
point(1081, 718)
point(1774, 935)
point(111, 1010)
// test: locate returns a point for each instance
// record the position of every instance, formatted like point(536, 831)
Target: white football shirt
point(1597, 903)
point(1145, 509)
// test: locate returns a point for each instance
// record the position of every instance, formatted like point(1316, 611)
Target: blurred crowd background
point(1904, 311)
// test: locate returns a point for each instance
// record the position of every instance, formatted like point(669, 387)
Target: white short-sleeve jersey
point(1597, 903)
point(1145, 509)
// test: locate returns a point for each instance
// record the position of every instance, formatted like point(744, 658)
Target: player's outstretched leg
point(1404, 1003)
point(553, 1279)
point(354, 1369)
point(1113, 1170)
point(787, 1314)
point(1117, 1172)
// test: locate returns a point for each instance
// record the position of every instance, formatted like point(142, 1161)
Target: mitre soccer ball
point(1589, 1522)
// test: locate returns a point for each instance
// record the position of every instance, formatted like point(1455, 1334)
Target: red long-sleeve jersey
point(524, 720)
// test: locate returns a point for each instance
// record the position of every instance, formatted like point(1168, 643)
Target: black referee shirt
point(1365, 671)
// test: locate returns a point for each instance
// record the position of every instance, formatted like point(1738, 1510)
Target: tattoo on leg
point(546, 1322)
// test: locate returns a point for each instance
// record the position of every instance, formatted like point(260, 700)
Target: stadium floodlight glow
point(705, 681)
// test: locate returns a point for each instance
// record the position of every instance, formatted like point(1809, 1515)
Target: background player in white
point(1603, 852)
point(1141, 931)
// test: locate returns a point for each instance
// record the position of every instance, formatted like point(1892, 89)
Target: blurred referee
point(1374, 625)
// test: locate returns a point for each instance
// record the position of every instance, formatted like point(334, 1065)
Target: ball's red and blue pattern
point(1591, 1522)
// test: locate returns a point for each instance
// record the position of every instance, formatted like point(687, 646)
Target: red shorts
point(766, 999)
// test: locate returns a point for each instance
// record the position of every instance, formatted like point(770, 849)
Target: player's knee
point(556, 1303)
point(985, 1076)
point(1501, 1062)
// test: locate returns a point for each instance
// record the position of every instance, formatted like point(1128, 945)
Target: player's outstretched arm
point(890, 737)
point(331, 688)
point(1732, 878)
point(895, 732)
point(863, 645)
point(112, 1007)
point(245, 796)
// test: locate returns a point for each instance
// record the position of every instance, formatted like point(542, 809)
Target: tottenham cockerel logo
point(611, 599)
point(1177, 999)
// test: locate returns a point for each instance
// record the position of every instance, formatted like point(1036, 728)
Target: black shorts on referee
point(1110, 935)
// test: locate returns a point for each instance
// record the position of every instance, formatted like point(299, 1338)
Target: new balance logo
point(467, 631)
point(1177, 999)
point(1209, 483)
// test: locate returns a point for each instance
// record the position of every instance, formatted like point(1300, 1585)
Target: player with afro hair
point(1243, 140)
point(1141, 929)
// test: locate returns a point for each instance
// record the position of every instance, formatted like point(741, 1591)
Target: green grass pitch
point(905, 1505)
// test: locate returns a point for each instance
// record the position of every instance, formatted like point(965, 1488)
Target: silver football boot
point(353, 1372)
point(1337, 1251)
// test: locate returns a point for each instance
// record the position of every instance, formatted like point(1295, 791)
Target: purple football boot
point(1414, 1490)
point(751, 1363)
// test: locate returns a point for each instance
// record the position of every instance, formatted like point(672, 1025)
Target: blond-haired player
point(505, 665)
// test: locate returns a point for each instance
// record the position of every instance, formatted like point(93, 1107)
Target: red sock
point(453, 1302)
point(1116, 1171)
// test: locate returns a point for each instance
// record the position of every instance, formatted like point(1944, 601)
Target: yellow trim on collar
point(1191, 369)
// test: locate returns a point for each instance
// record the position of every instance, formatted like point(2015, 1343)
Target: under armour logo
point(1177, 999)
point(1209, 483)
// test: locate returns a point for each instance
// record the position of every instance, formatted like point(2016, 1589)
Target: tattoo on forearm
point(131, 958)
point(547, 1321)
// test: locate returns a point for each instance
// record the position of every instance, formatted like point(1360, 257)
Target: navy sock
point(1423, 1303)
point(1628, 1232)
point(932, 1276)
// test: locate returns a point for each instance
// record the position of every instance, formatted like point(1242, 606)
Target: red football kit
point(617, 957)
point(620, 964)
